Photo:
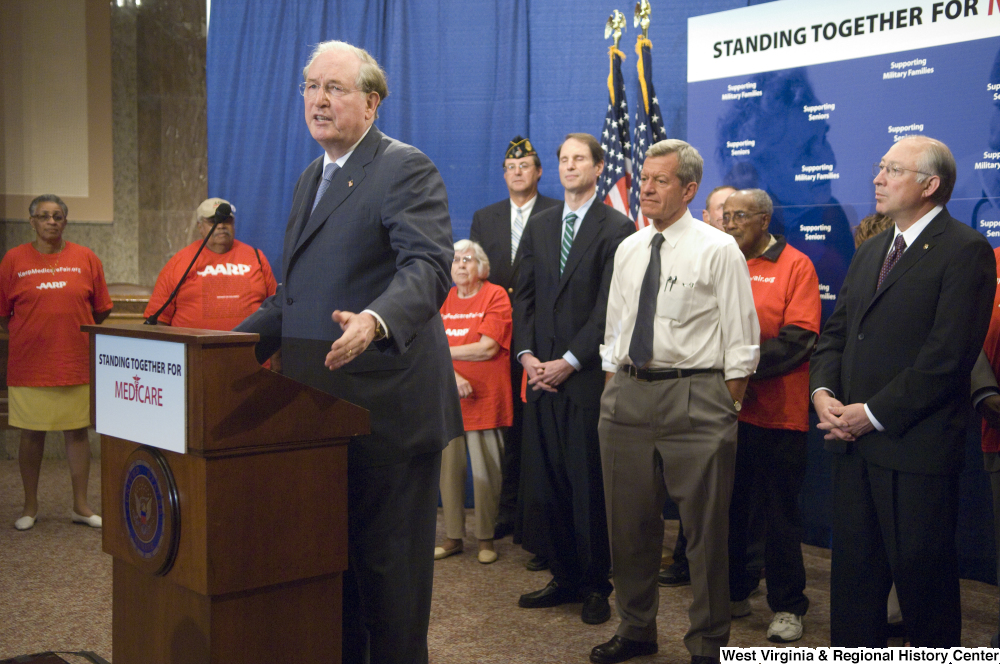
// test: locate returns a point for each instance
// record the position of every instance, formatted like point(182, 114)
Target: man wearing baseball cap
point(226, 284)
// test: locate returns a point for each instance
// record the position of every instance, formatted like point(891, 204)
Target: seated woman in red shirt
point(48, 289)
point(477, 320)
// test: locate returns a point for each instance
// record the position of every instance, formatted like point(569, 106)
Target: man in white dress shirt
point(681, 341)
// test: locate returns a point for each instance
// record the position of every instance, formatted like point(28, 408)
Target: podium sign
point(139, 390)
point(208, 567)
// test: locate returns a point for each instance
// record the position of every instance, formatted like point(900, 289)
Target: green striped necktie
point(567, 240)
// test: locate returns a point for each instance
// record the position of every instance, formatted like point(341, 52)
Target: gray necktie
point(515, 233)
point(324, 184)
point(640, 349)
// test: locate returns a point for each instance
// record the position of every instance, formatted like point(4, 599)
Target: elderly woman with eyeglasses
point(477, 319)
point(48, 289)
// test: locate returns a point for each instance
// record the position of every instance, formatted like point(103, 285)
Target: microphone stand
point(152, 320)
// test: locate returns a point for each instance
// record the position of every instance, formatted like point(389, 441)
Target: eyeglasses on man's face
point(739, 216)
point(521, 168)
point(311, 89)
point(892, 171)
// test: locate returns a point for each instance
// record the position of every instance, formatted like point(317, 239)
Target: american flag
point(613, 185)
point(648, 122)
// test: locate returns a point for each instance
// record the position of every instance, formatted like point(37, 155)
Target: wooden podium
point(232, 548)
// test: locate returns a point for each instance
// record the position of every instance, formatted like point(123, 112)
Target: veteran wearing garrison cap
point(498, 229)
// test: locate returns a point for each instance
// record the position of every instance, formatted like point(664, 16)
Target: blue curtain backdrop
point(464, 78)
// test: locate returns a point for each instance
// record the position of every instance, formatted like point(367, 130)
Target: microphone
point(223, 212)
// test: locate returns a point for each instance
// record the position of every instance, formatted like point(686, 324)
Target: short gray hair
point(371, 76)
point(935, 158)
point(717, 190)
point(481, 257)
point(689, 161)
point(47, 198)
point(760, 200)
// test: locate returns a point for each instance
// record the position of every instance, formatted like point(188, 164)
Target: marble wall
point(172, 151)
point(159, 136)
point(160, 153)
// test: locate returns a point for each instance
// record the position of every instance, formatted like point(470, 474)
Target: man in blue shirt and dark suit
point(560, 305)
point(367, 265)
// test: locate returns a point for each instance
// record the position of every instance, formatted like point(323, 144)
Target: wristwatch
point(379, 330)
point(737, 405)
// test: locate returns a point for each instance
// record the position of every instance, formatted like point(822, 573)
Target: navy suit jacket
point(380, 239)
point(491, 229)
point(907, 349)
point(554, 313)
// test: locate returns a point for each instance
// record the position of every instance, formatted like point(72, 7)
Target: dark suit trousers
point(510, 510)
point(991, 463)
point(564, 492)
point(770, 469)
point(893, 526)
point(392, 519)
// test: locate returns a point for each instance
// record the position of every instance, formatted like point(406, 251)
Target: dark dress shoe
point(675, 575)
point(551, 595)
point(502, 528)
point(537, 564)
point(620, 649)
point(596, 609)
point(897, 630)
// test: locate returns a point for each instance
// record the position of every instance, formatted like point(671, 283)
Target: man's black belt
point(650, 375)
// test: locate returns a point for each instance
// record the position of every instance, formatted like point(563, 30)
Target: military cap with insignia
point(519, 148)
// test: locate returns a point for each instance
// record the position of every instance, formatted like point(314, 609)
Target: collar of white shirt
point(525, 209)
point(673, 233)
point(911, 234)
point(347, 155)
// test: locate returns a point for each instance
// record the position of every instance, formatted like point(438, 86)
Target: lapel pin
point(350, 183)
point(927, 246)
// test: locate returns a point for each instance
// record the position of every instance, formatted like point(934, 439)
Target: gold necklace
point(52, 268)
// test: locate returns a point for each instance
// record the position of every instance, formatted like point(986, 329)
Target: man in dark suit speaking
point(898, 351)
point(366, 263)
point(499, 228)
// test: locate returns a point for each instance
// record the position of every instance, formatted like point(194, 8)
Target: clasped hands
point(546, 376)
point(989, 408)
point(359, 330)
point(841, 422)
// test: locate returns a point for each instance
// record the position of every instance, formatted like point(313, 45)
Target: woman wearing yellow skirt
point(48, 289)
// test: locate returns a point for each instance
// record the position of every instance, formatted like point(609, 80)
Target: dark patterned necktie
point(897, 250)
point(640, 349)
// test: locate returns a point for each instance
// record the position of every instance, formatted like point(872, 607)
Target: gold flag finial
point(616, 25)
point(642, 17)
